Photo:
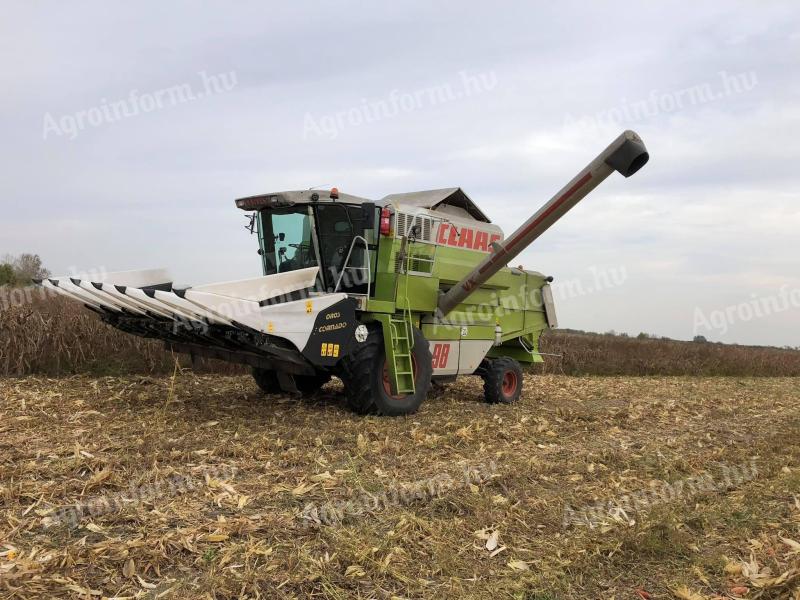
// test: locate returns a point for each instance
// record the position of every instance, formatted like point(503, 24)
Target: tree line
point(16, 271)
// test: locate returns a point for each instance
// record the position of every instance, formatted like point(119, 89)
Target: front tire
point(363, 370)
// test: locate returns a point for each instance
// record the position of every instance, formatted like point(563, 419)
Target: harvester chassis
point(387, 295)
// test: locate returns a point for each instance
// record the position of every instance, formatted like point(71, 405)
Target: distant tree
point(19, 270)
point(642, 336)
point(7, 275)
point(700, 339)
point(29, 266)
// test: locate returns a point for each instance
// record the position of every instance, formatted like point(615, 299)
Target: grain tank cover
point(451, 201)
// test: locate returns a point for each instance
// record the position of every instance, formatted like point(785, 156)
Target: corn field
point(582, 354)
point(50, 335)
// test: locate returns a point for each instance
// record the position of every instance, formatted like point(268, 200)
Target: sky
point(129, 130)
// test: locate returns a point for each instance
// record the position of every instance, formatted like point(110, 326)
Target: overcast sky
point(506, 100)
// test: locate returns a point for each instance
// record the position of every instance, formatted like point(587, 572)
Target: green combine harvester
point(387, 295)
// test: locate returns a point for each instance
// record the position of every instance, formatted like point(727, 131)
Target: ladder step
point(403, 362)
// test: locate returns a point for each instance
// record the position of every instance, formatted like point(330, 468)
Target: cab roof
point(445, 200)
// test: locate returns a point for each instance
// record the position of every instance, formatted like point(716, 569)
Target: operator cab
point(297, 230)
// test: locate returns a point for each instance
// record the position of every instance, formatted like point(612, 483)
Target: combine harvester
point(388, 295)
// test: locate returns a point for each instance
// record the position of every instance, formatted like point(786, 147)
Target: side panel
point(418, 294)
point(472, 353)
point(457, 350)
point(332, 334)
point(444, 344)
point(445, 355)
point(476, 341)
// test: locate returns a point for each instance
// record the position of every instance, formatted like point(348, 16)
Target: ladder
point(400, 332)
point(402, 343)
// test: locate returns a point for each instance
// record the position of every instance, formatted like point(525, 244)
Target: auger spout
point(626, 155)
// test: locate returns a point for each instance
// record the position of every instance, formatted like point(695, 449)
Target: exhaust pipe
point(626, 155)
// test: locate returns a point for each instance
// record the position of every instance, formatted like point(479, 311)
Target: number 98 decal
point(441, 353)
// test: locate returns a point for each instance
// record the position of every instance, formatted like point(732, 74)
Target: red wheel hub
point(510, 382)
point(387, 386)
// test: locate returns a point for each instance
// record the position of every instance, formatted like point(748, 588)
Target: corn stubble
point(570, 441)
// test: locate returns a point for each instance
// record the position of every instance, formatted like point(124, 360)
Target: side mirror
point(368, 215)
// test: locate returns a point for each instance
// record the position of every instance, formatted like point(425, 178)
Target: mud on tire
point(362, 374)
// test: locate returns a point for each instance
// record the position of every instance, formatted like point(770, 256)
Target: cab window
point(287, 244)
point(338, 224)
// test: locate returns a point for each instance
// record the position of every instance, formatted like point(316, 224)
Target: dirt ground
point(469, 499)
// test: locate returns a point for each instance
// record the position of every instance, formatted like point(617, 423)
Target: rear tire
point(362, 374)
point(502, 380)
point(307, 385)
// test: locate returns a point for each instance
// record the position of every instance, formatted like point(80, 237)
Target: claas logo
point(466, 237)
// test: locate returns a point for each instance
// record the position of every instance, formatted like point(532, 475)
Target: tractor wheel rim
point(387, 385)
point(509, 383)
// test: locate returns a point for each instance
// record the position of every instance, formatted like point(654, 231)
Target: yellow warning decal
point(309, 306)
point(330, 350)
point(270, 326)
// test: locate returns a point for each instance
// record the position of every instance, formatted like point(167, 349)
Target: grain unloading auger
point(388, 295)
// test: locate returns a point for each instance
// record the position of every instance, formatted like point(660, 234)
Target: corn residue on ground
point(284, 498)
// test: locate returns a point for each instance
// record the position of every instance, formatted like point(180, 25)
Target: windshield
point(286, 240)
point(289, 242)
